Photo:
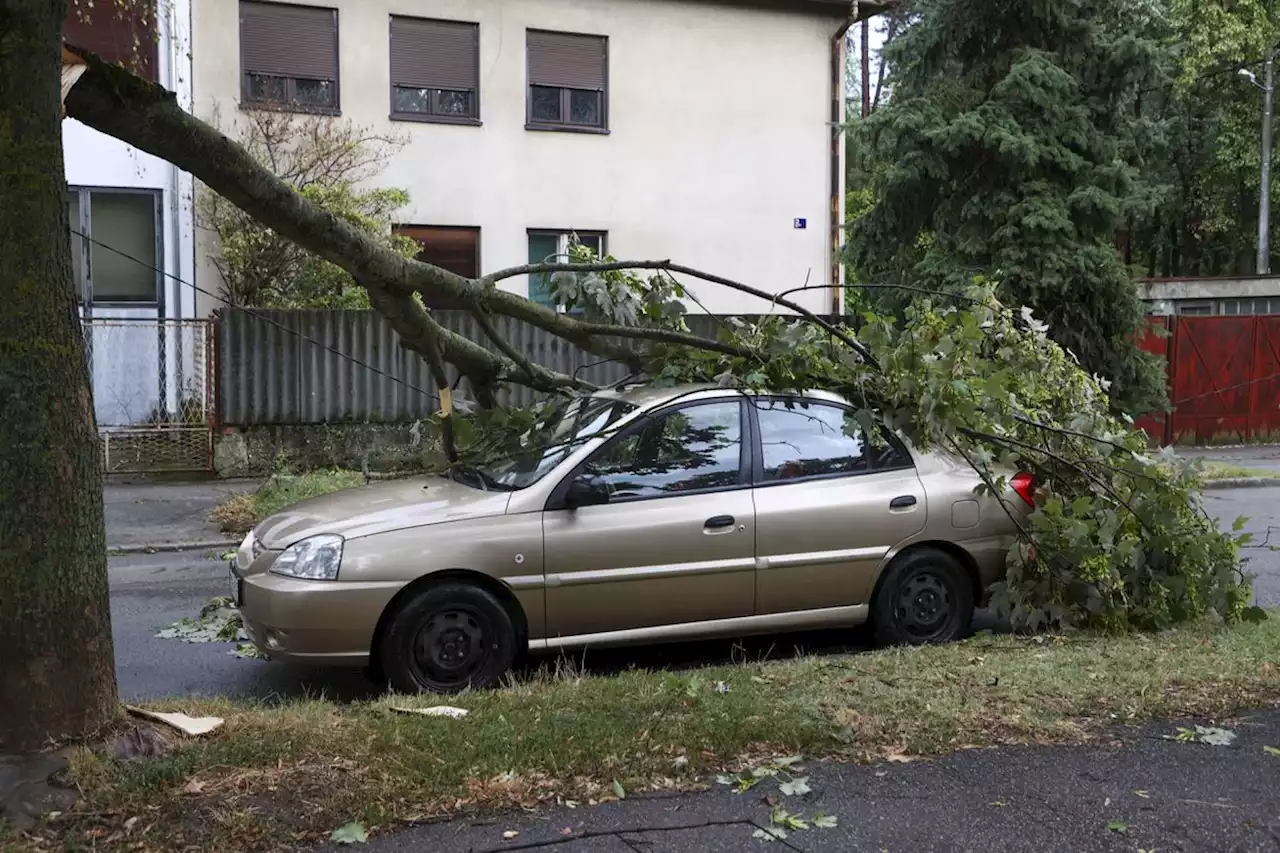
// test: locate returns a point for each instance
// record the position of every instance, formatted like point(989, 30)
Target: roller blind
point(289, 41)
point(567, 60)
point(428, 54)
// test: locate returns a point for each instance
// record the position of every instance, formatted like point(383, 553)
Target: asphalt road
point(1138, 792)
point(150, 591)
point(141, 515)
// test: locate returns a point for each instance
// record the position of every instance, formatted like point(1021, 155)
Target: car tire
point(926, 597)
point(446, 639)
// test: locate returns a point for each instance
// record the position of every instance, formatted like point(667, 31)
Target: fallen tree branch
point(1067, 463)
point(114, 101)
point(667, 266)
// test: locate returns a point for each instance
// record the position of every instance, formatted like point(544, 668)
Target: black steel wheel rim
point(450, 648)
point(925, 605)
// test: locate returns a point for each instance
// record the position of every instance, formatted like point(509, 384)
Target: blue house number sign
point(800, 223)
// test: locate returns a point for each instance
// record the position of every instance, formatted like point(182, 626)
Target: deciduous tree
point(57, 673)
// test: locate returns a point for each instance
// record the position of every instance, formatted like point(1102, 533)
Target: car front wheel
point(926, 597)
point(448, 638)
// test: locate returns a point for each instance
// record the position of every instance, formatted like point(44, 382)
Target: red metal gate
point(1224, 378)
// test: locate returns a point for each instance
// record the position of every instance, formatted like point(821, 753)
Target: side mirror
point(586, 490)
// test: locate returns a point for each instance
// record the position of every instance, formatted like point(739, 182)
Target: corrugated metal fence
point(324, 366)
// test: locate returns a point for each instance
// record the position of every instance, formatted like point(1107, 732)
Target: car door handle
point(717, 522)
point(902, 502)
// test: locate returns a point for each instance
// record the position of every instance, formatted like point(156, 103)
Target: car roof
point(647, 396)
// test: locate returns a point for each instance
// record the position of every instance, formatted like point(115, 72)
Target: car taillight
point(1025, 485)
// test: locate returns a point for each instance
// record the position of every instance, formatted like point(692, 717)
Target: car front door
point(829, 505)
point(675, 541)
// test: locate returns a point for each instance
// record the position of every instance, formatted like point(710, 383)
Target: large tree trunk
point(57, 674)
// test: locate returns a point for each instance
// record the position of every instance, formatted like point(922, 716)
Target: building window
point(435, 70)
point(451, 247)
point(551, 247)
point(1251, 305)
point(121, 33)
point(568, 81)
point(114, 254)
point(289, 56)
point(1195, 308)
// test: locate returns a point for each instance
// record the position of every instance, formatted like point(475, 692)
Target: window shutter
point(563, 59)
point(434, 54)
point(126, 36)
point(454, 248)
point(289, 41)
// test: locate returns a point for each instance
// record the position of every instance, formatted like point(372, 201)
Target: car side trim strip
point(640, 573)
point(822, 558)
point(854, 614)
point(525, 581)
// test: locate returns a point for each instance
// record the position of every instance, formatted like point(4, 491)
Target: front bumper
point(313, 622)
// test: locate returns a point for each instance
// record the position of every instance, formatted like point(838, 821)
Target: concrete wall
point(719, 133)
point(264, 450)
point(1166, 294)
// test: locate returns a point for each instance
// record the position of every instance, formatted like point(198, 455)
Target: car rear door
point(829, 504)
point(676, 541)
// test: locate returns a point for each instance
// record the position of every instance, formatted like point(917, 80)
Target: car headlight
point(316, 558)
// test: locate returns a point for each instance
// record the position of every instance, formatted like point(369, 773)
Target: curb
point(169, 547)
point(1241, 483)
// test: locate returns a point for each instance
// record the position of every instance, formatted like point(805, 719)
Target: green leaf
point(1215, 736)
point(824, 821)
point(1254, 615)
point(619, 791)
point(1119, 827)
point(773, 833)
point(352, 833)
point(1271, 750)
point(795, 787)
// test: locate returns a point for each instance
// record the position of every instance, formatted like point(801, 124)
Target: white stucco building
point(134, 254)
point(704, 131)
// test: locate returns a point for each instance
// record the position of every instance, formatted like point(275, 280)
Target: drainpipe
point(176, 53)
point(177, 375)
point(835, 202)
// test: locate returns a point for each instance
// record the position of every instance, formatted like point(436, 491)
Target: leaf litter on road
point(1210, 735)
point(351, 833)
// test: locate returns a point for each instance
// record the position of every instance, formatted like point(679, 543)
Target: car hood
point(378, 508)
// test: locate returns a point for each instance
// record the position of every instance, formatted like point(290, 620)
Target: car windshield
point(578, 421)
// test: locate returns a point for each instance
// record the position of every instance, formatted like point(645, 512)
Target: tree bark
point(57, 673)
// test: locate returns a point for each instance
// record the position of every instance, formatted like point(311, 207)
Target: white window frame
point(85, 227)
point(563, 239)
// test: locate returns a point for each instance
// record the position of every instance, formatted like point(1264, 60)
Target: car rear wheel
point(926, 597)
point(448, 638)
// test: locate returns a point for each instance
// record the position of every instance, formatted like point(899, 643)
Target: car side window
point(809, 439)
point(690, 449)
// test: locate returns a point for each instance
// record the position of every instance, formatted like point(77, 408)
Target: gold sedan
point(646, 515)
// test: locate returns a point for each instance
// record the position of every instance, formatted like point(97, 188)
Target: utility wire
point(352, 359)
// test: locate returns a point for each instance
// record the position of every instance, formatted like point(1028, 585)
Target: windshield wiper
point(484, 481)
